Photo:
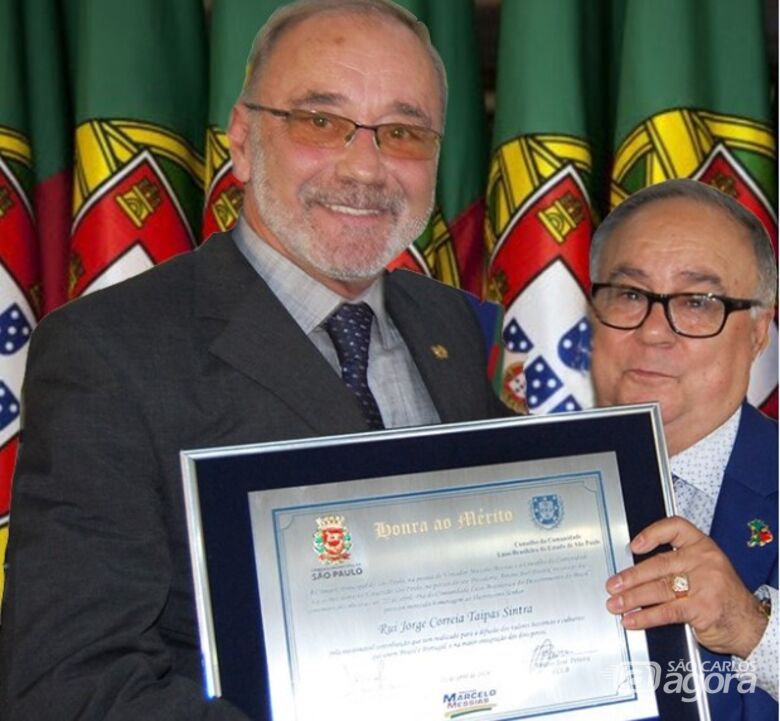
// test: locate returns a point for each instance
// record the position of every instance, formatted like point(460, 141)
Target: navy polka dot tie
point(350, 330)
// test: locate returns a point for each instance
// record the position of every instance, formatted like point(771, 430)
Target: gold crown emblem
point(330, 522)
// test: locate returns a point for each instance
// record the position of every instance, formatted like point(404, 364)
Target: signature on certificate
point(546, 655)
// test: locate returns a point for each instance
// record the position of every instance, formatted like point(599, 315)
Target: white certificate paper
point(442, 594)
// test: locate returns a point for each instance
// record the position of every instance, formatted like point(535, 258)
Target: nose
point(656, 328)
point(361, 159)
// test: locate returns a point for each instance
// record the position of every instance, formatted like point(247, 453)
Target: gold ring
point(680, 585)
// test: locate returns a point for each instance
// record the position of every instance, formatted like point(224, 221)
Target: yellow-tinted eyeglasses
point(326, 130)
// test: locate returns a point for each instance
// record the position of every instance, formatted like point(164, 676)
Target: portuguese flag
point(49, 122)
point(595, 101)
point(694, 102)
point(20, 287)
point(451, 249)
point(140, 107)
point(540, 196)
point(234, 24)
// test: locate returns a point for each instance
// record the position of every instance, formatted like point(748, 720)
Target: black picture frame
point(218, 481)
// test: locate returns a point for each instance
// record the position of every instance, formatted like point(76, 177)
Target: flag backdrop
point(234, 24)
point(113, 155)
point(140, 104)
point(451, 248)
point(20, 288)
point(48, 105)
point(654, 90)
point(540, 213)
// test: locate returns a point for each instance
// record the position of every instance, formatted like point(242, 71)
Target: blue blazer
point(749, 491)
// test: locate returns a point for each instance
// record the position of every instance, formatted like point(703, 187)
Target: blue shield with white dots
point(15, 329)
point(552, 348)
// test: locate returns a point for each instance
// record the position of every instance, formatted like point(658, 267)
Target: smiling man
point(334, 195)
point(336, 135)
point(338, 200)
point(683, 297)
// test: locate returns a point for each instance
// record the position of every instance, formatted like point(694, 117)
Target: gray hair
point(707, 195)
point(288, 16)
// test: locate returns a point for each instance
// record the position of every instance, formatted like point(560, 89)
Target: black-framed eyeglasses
point(693, 315)
point(326, 130)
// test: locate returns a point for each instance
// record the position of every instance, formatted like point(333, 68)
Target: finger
point(663, 614)
point(661, 566)
point(648, 594)
point(675, 531)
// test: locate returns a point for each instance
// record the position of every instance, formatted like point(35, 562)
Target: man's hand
point(725, 616)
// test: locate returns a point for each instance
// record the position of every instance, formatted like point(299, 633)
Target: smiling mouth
point(349, 210)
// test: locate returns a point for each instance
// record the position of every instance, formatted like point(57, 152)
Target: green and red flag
point(140, 104)
point(20, 290)
point(694, 101)
point(234, 24)
point(452, 248)
point(45, 59)
point(539, 206)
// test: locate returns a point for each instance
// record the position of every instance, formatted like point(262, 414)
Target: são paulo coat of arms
point(332, 540)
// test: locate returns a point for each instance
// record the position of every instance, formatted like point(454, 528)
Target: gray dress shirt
point(393, 376)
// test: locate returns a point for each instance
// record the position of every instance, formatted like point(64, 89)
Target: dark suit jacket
point(749, 491)
point(99, 619)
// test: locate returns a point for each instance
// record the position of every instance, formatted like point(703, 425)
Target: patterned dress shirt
point(698, 472)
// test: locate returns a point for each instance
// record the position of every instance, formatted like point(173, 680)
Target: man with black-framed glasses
point(682, 303)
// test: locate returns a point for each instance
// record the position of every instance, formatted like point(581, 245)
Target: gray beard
point(357, 255)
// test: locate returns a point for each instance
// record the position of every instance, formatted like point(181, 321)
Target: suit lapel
point(261, 340)
point(257, 332)
point(737, 506)
point(748, 492)
point(427, 333)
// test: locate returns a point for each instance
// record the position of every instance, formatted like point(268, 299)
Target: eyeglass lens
point(332, 131)
point(690, 314)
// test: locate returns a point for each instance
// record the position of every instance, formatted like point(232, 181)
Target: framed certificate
point(433, 573)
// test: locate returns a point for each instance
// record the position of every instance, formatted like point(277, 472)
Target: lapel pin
point(440, 352)
point(760, 534)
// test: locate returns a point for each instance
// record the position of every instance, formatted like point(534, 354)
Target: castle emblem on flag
point(539, 237)
point(224, 193)
point(137, 179)
point(547, 510)
point(332, 540)
point(562, 216)
point(140, 201)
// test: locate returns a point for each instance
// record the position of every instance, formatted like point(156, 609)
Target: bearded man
point(336, 136)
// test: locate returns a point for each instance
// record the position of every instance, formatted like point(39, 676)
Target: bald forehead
point(695, 215)
point(684, 239)
point(372, 41)
point(327, 26)
point(320, 28)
